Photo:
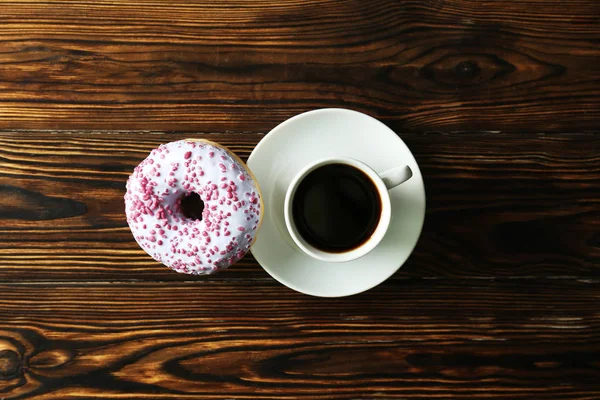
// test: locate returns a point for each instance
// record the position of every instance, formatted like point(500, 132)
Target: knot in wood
point(10, 364)
point(466, 69)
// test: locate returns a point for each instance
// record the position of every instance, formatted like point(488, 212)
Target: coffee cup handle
point(396, 176)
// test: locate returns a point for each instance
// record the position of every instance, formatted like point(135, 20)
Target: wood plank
point(440, 339)
point(435, 65)
point(497, 205)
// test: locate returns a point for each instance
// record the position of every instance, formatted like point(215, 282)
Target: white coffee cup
point(382, 182)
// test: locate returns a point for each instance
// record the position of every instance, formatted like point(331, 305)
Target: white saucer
point(323, 133)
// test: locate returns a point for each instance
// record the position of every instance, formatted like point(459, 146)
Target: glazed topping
point(193, 207)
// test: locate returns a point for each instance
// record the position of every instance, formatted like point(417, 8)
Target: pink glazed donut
point(194, 206)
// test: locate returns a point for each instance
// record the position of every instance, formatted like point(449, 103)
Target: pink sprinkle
point(222, 167)
point(241, 228)
point(211, 154)
point(227, 233)
point(187, 154)
point(160, 242)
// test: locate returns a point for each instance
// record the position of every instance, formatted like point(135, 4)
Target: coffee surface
point(336, 208)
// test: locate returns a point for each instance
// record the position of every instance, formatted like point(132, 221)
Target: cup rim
point(369, 244)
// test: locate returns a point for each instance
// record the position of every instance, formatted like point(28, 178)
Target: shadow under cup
point(337, 210)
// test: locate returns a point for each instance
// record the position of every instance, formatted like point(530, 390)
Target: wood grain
point(413, 339)
point(434, 65)
point(498, 205)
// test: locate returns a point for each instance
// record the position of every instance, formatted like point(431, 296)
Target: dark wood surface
point(422, 65)
point(407, 339)
point(499, 102)
point(492, 201)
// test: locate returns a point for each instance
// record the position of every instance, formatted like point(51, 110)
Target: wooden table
point(498, 100)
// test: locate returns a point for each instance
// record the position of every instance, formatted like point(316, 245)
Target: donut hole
point(192, 206)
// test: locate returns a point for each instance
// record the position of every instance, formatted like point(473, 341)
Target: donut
point(194, 206)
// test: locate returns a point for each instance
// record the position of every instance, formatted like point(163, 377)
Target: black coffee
point(336, 208)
